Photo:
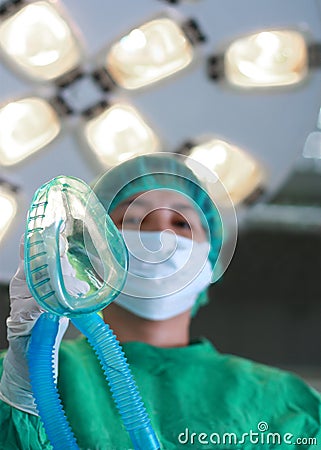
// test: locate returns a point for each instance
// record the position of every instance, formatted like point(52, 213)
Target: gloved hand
point(15, 388)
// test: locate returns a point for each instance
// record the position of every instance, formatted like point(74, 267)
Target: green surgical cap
point(162, 171)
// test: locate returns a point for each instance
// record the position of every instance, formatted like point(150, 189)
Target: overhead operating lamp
point(267, 58)
point(148, 53)
point(27, 125)
point(239, 172)
point(36, 39)
point(117, 132)
point(8, 206)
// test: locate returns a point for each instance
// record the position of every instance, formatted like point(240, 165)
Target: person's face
point(159, 210)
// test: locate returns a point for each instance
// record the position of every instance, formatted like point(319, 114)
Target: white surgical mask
point(166, 274)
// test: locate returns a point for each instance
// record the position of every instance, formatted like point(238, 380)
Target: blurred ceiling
point(271, 124)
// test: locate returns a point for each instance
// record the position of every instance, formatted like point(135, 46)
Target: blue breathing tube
point(65, 217)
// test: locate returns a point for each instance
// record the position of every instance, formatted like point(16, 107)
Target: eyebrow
point(182, 206)
point(141, 202)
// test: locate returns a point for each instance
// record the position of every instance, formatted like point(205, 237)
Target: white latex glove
point(15, 386)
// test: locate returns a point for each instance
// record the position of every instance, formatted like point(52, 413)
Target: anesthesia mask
point(65, 217)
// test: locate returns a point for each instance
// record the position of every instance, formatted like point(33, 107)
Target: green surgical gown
point(196, 398)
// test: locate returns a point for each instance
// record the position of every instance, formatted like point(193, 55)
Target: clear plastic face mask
point(70, 237)
point(66, 218)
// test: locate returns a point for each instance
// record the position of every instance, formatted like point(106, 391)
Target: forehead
point(159, 198)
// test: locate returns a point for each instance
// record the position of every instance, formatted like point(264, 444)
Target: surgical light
point(236, 169)
point(8, 208)
point(265, 59)
point(38, 40)
point(151, 52)
point(27, 125)
point(118, 133)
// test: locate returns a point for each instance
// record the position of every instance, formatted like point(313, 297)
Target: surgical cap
point(161, 171)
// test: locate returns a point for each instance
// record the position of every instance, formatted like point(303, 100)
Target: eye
point(131, 220)
point(181, 223)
